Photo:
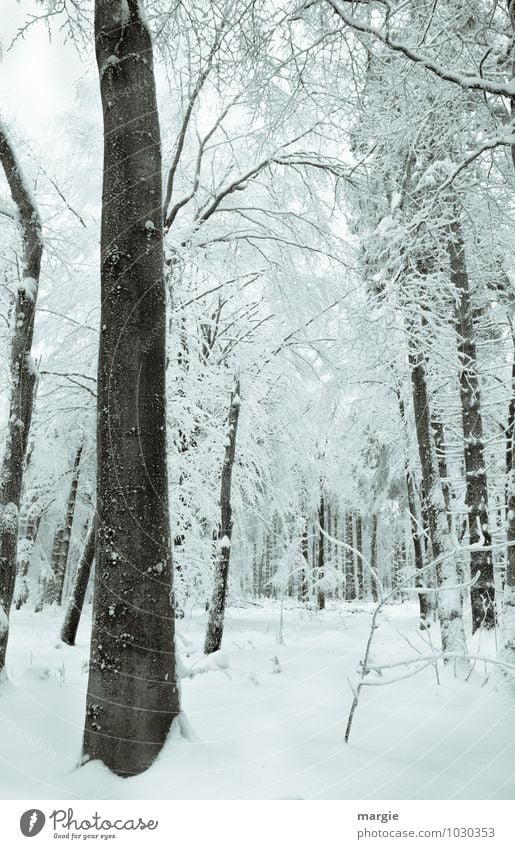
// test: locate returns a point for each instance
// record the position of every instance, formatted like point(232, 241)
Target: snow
point(225, 542)
point(28, 287)
point(125, 13)
point(9, 517)
point(267, 720)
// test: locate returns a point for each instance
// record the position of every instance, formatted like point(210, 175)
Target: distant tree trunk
point(360, 587)
point(303, 586)
point(417, 530)
point(373, 556)
point(439, 437)
point(215, 622)
point(25, 550)
point(62, 538)
point(448, 597)
point(350, 588)
point(78, 593)
point(22, 381)
point(133, 696)
point(321, 553)
point(482, 594)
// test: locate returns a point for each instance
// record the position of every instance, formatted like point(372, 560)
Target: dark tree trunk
point(448, 598)
point(61, 547)
point(133, 696)
point(439, 437)
point(373, 556)
point(350, 588)
point(215, 622)
point(303, 586)
point(360, 588)
point(482, 594)
point(417, 533)
point(321, 555)
point(78, 593)
point(22, 382)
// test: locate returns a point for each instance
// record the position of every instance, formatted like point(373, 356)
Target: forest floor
point(268, 720)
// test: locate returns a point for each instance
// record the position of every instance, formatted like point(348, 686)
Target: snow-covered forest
point(257, 381)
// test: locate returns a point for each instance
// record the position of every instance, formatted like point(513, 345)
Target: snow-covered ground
point(268, 720)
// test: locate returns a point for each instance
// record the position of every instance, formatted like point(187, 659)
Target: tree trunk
point(360, 584)
point(22, 382)
point(350, 588)
point(439, 437)
point(482, 594)
point(373, 556)
point(62, 538)
point(78, 593)
point(448, 597)
point(417, 532)
point(303, 584)
point(215, 623)
point(321, 555)
point(133, 696)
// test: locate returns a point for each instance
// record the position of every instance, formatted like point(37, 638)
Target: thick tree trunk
point(133, 696)
point(448, 597)
point(78, 593)
point(62, 538)
point(215, 622)
point(22, 382)
point(482, 594)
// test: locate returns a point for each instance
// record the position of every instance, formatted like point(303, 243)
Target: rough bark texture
point(22, 381)
point(78, 593)
point(448, 598)
point(215, 623)
point(482, 594)
point(132, 696)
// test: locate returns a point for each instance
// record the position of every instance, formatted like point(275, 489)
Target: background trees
point(334, 212)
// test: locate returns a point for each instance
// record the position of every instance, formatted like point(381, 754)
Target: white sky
point(37, 77)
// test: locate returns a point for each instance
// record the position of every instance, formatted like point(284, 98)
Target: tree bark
point(78, 593)
point(373, 556)
point(417, 531)
point(360, 588)
point(132, 695)
point(22, 381)
point(448, 597)
point(482, 594)
point(215, 623)
point(321, 554)
point(62, 539)
point(350, 587)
